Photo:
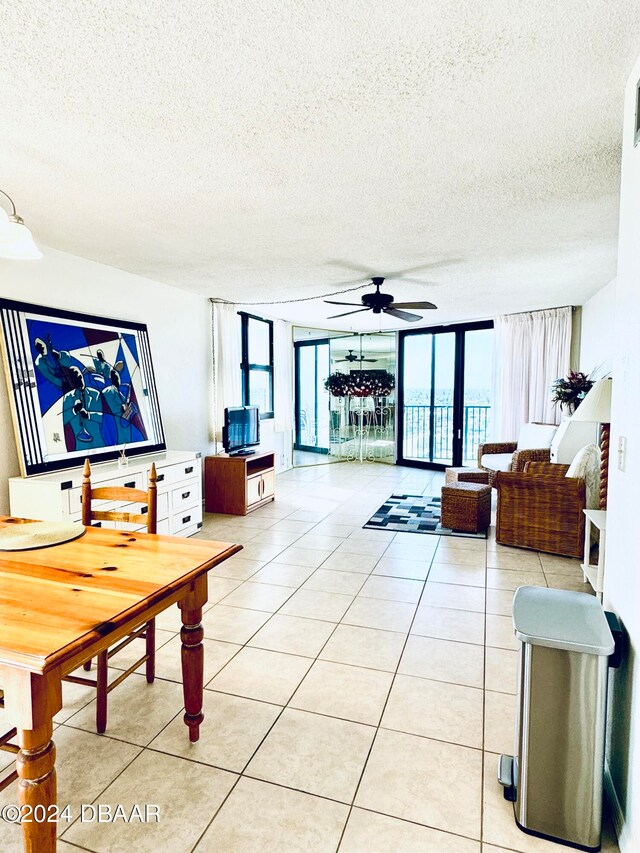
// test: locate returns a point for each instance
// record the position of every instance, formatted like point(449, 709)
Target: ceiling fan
point(359, 358)
point(382, 303)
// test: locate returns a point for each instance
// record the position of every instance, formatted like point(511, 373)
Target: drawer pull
point(144, 509)
point(185, 495)
point(189, 470)
point(130, 485)
point(186, 519)
point(159, 478)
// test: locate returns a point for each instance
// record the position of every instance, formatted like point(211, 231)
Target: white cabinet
point(57, 496)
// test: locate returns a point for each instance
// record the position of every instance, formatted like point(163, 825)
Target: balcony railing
point(432, 440)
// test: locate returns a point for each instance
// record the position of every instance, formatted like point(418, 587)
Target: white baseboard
point(625, 839)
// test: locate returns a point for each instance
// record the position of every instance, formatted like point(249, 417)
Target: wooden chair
point(7, 745)
point(147, 632)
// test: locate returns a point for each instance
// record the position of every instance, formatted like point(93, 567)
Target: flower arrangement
point(362, 383)
point(571, 390)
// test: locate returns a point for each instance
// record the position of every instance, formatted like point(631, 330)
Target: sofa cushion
point(533, 436)
point(586, 466)
point(496, 461)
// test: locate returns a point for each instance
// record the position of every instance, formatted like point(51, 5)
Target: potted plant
point(571, 390)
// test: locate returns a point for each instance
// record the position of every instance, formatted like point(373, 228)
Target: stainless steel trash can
point(555, 777)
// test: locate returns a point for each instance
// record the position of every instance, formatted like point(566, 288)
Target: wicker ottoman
point(466, 507)
point(466, 475)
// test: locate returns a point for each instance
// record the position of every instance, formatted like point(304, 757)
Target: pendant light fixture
point(16, 242)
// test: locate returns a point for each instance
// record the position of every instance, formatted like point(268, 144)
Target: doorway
point(444, 394)
point(312, 399)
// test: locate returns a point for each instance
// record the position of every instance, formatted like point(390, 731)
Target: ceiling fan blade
point(402, 315)
point(422, 281)
point(355, 304)
point(347, 265)
point(423, 305)
point(346, 314)
point(370, 360)
point(444, 262)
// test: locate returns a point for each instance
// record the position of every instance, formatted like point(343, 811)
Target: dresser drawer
point(186, 495)
point(186, 519)
point(175, 473)
point(133, 481)
point(164, 527)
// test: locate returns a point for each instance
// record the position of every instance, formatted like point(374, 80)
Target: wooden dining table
point(60, 606)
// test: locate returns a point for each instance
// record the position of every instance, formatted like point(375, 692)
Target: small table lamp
point(596, 408)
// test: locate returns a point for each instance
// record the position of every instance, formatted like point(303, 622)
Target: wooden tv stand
point(237, 485)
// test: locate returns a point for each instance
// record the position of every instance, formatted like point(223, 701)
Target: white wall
point(179, 331)
point(597, 339)
point(622, 570)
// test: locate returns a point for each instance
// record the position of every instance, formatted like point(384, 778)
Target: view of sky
point(417, 366)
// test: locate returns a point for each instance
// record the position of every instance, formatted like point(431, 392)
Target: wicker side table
point(466, 475)
point(466, 507)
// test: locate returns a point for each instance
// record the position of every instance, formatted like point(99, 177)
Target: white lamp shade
point(16, 242)
point(4, 222)
point(596, 406)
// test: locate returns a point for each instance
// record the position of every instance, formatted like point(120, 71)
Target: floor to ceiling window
point(444, 394)
point(312, 400)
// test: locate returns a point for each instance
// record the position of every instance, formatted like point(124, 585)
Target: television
point(241, 430)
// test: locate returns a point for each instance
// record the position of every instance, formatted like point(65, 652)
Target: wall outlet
point(622, 452)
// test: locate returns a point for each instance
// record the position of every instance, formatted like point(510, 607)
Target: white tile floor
point(359, 688)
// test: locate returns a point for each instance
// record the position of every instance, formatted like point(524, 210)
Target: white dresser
point(57, 496)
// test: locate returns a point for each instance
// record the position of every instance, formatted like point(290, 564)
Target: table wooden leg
point(37, 787)
point(31, 701)
point(191, 635)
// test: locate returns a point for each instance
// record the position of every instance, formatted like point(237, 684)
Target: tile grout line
point(242, 775)
point(484, 699)
point(384, 707)
point(366, 576)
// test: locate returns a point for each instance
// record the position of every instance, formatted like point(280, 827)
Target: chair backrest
point(120, 493)
point(535, 436)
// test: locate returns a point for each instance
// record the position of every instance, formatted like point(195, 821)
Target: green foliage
point(571, 391)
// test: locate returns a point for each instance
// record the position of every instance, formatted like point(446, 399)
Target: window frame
point(246, 366)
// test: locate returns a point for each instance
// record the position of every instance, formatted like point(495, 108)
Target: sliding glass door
point(312, 400)
point(444, 397)
point(428, 379)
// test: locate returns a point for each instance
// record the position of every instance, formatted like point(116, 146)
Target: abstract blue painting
point(80, 386)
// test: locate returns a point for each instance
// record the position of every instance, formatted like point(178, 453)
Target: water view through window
point(446, 406)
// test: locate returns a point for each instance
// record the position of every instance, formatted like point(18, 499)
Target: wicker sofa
point(514, 455)
point(541, 508)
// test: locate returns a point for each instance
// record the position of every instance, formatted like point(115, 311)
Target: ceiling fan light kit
point(16, 241)
point(355, 359)
point(383, 303)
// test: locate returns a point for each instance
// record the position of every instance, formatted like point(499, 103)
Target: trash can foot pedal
point(505, 777)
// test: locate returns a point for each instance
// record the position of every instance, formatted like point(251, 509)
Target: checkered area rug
point(414, 514)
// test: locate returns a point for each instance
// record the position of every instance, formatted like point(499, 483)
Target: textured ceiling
point(259, 150)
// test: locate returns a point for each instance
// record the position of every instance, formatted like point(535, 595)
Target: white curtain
point(227, 356)
point(282, 376)
point(531, 351)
